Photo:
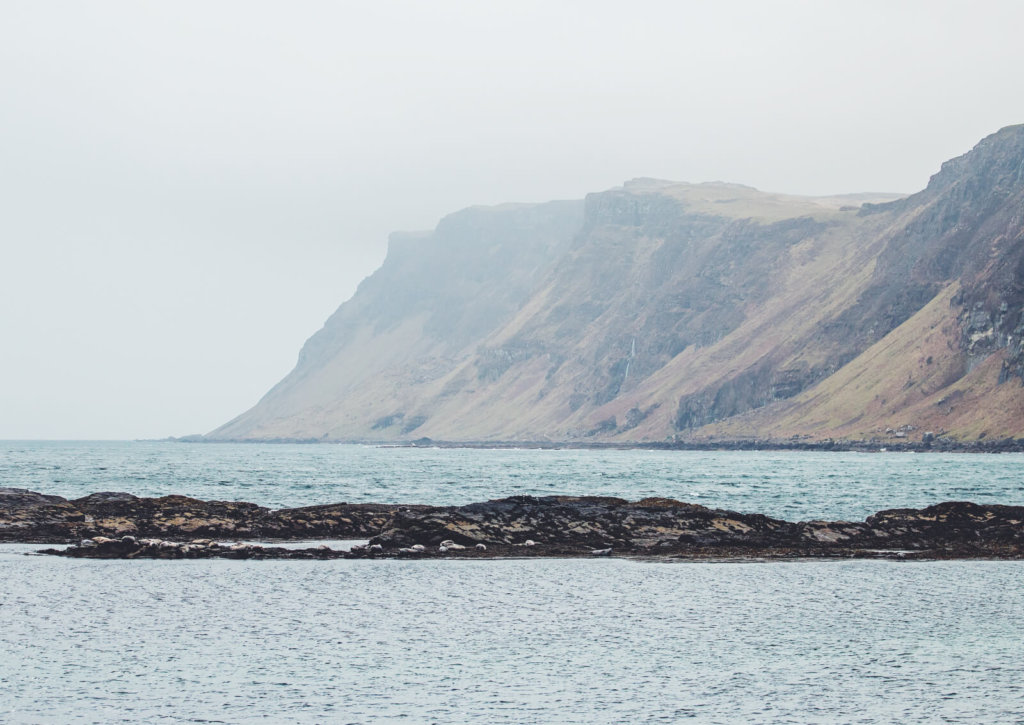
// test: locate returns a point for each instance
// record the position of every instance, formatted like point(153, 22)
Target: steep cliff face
point(946, 296)
point(437, 294)
point(664, 310)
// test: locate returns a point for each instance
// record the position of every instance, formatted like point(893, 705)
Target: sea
point(517, 640)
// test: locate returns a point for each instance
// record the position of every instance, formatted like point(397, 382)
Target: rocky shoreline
point(120, 525)
point(898, 442)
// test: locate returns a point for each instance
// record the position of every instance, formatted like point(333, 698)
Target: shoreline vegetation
point(935, 444)
point(111, 525)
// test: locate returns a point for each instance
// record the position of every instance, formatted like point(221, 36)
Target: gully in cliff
point(123, 526)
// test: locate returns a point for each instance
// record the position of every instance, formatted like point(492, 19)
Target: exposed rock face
point(436, 297)
point(679, 311)
point(335, 521)
point(950, 524)
point(120, 514)
point(586, 526)
point(131, 548)
point(661, 525)
point(594, 522)
point(29, 516)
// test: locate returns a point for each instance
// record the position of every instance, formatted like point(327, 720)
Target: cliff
point(669, 311)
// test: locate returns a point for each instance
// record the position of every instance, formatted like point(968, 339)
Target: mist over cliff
point(672, 311)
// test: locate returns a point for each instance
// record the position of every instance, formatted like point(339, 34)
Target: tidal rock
point(570, 525)
point(953, 523)
point(584, 521)
point(181, 517)
point(336, 521)
point(597, 526)
point(28, 516)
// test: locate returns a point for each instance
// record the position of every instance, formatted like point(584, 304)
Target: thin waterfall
point(629, 361)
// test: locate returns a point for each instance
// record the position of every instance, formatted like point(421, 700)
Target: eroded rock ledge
point(119, 525)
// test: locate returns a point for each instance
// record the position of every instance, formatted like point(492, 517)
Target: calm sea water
point(546, 641)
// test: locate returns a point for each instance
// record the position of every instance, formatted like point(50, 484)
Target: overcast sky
point(189, 189)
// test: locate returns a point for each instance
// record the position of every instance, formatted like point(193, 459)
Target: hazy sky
point(189, 189)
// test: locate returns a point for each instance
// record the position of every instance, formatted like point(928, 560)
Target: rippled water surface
point(793, 485)
point(586, 641)
point(515, 641)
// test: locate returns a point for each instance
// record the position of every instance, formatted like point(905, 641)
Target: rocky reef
point(176, 527)
point(572, 525)
point(27, 516)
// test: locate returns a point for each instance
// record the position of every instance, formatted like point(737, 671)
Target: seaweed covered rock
point(584, 521)
point(28, 516)
point(341, 520)
point(33, 517)
point(119, 525)
point(952, 523)
point(118, 514)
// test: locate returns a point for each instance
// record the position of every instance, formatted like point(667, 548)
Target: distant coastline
point(873, 445)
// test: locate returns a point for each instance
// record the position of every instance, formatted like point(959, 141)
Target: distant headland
point(684, 313)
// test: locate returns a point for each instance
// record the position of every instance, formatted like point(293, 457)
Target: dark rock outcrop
point(118, 514)
point(337, 521)
point(515, 526)
point(29, 516)
point(587, 522)
point(26, 516)
point(950, 524)
point(129, 547)
point(661, 526)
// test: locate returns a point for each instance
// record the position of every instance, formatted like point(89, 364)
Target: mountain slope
point(436, 295)
point(666, 310)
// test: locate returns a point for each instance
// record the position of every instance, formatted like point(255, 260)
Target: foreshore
point(120, 525)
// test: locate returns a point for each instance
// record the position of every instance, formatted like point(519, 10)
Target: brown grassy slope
point(436, 295)
point(914, 380)
point(784, 263)
point(619, 263)
point(818, 278)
